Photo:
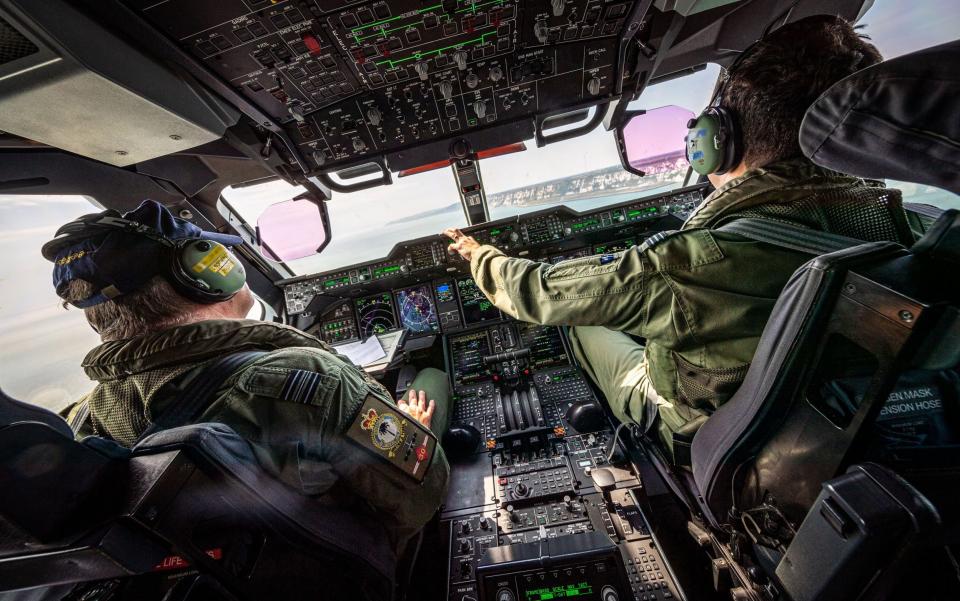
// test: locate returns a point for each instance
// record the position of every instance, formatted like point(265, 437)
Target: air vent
point(12, 44)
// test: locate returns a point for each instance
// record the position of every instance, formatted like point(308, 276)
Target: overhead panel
point(359, 80)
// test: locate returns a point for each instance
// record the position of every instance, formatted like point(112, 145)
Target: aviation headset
point(202, 270)
point(713, 142)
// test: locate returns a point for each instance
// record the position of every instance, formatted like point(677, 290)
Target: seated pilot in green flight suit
point(700, 298)
point(169, 299)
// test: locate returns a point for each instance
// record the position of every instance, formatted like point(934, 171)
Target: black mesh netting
point(12, 44)
point(865, 213)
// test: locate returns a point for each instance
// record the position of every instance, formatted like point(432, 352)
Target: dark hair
point(154, 306)
point(770, 89)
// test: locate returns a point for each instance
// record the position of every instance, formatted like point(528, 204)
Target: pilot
point(169, 300)
point(699, 297)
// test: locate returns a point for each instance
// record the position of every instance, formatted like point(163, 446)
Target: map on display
point(375, 314)
point(418, 313)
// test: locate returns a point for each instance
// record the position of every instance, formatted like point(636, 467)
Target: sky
point(41, 344)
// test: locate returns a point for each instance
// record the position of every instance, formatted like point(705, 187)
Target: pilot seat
point(186, 514)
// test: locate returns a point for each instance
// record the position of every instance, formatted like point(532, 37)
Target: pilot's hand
point(462, 243)
point(416, 406)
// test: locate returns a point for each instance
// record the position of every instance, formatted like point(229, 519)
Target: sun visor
point(896, 120)
point(106, 101)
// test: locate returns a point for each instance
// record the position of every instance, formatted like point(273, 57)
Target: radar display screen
point(468, 352)
point(375, 314)
point(417, 311)
point(476, 307)
point(545, 344)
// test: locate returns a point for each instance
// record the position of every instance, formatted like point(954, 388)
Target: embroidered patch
point(393, 436)
point(300, 386)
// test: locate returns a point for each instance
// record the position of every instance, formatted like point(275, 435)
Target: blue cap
point(120, 253)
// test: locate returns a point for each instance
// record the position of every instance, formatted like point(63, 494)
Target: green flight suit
point(699, 297)
point(301, 440)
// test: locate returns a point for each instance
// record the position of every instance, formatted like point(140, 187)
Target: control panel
point(542, 483)
point(550, 235)
point(348, 81)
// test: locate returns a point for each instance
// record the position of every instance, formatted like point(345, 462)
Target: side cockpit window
point(41, 343)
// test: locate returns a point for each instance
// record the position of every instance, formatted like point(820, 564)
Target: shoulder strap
point(196, 395)
point(801, 239)
point(79, 416)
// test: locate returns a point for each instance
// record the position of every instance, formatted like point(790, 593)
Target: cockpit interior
point(338, 138)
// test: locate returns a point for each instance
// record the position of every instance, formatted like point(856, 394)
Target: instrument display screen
point(376, 315)
point(476, 307)
point(418, 313)
point(545, 344)
point(468, 352)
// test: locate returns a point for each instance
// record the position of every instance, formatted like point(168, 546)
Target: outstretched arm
point(602, 290)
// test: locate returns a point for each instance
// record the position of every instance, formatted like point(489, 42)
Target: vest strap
point(801, 239)
point(196, 396)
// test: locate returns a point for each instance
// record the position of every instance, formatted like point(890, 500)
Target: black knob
point(464, 546)
point(465, 528)
point(484, 523)
point(521, 490)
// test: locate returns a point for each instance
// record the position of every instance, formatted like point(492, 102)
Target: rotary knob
point(484, 523)
point(446, 90)
point(480, 108)
point(422, 69)
point(514, 237)
point(558, 6)
point(359, 145)
point(496, 74)
point(374, 116)
point(514, 516)
point(540, 31)
point(506, 594)
point(472, 80)
point(593, 86)
point(608, 593)
point(521, 490)
point(460, 58)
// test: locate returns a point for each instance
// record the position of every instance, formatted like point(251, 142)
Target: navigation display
point(417, 311)
point(545, 344)
point(375, 314)
point(468, 352)
point(476, 307)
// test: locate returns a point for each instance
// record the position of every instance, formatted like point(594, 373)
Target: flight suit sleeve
point(626, 291)
point(298, 407)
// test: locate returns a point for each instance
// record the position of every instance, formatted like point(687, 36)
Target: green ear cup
point(705, 150)
point(211, 269)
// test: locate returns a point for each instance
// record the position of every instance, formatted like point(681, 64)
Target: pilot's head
point(146, 270)
point(771, 86)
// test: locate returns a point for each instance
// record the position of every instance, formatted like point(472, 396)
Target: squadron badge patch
point(393, 436)
point(386, 431)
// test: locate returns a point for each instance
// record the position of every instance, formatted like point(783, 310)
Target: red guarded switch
point(312, 43)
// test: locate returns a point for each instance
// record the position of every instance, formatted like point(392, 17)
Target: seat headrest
point(896, 119)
